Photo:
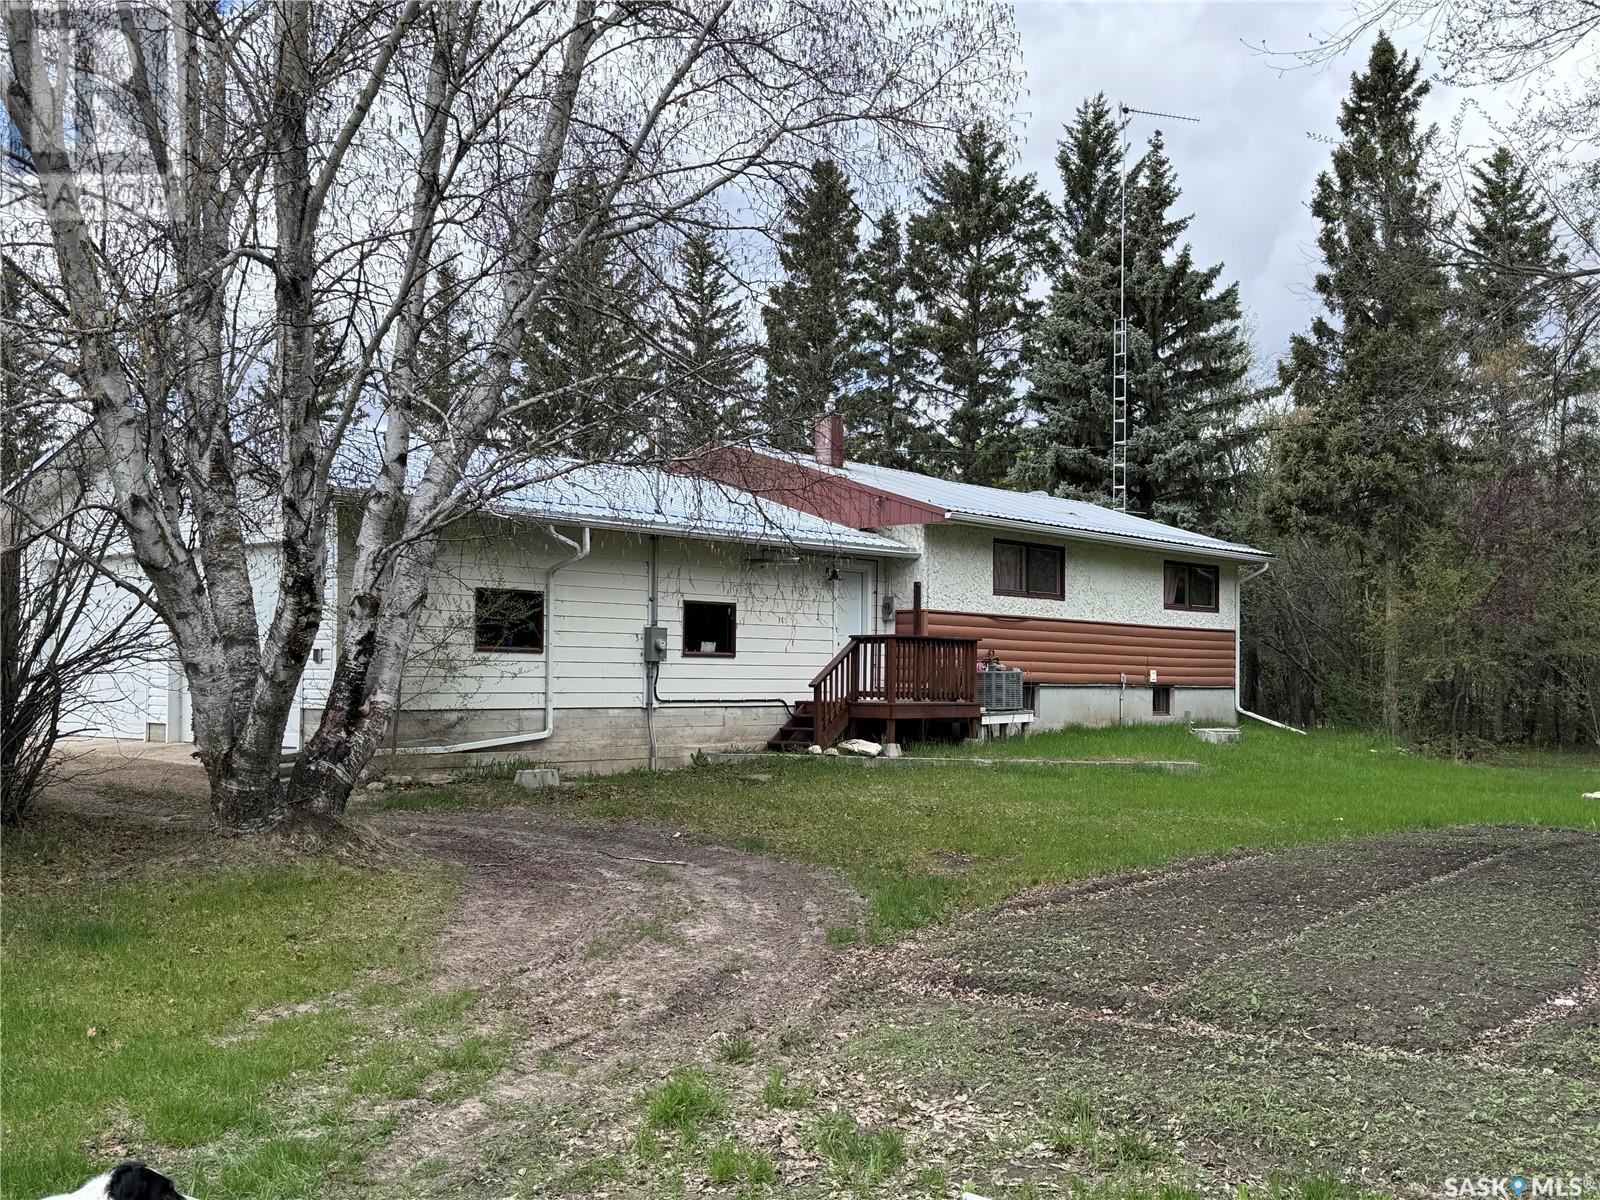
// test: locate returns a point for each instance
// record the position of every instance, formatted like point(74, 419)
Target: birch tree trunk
point(245, 339)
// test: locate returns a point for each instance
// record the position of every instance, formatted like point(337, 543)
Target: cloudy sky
point(1248, 167)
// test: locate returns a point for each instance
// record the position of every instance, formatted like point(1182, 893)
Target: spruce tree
point(706, 353)
point(1366, 458)
point(586, 370)
point(1510, 238)
point(444, 352)
point(1510, 232)
point(1187, 352)
point(975, 250)
point(809, 355)
point(880, 416)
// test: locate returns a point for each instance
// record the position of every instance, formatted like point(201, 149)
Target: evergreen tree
point(1510, 236)
point(1089, 160)
point(707, 353)
point(586, 370)
point(880, 417)
point(1366, 461)
point(444, 354)
point(1187, 352)
point(975, 250)
point(807, 318)
point(1510, 231)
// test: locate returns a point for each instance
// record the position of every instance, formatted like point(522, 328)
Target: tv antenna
point(1119, 332)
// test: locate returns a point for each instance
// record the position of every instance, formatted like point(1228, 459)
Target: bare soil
point(1391, 1011)
point(615, 945)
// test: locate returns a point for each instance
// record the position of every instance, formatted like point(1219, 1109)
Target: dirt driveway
point(619, 953)
point(1386, 1011)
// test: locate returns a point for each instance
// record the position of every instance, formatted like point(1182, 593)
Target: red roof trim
point(800, 485)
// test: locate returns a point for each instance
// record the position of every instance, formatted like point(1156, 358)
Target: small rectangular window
point(1191, 587)
point(1161, 701)
point(1027, 569)
point(508, 619)
point(709, 628)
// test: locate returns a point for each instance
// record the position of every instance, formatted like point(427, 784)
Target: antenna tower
point(1119, 331)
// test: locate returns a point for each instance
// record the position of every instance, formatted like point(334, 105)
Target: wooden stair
point(798, 731)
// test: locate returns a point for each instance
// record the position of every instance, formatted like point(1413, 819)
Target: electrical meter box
point(655, 643)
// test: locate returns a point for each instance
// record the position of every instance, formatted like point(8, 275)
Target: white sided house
point(617, 617)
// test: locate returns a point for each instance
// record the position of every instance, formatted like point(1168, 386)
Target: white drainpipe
point(580, 552)
point(1238, 640)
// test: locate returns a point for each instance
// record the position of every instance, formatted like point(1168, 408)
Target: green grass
point(733, 1161)
point(888, 827)
point(778, 1092)
point(735, 1049)
point(130, 1018)
point(861, 1157)
point(685, 1104)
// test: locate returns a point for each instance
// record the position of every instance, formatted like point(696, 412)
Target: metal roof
point(645, 500)
point(1044, 513)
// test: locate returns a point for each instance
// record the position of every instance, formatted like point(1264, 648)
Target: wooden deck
point(892, 678)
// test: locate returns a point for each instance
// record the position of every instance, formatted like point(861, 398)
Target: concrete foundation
point(1059, 705)
point(587, 740)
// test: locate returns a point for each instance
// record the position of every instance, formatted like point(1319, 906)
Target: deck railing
point(895, 669)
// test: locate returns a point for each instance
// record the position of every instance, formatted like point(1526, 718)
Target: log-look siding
point(1052, 651)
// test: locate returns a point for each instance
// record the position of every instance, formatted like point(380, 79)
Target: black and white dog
point(127, 1181)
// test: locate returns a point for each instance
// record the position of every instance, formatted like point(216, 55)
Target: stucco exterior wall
point(1103, 583)
point(1096, 706)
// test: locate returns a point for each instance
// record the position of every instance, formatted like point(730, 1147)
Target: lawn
point(207, 1007)
point(924, 842)
point(262, 1025)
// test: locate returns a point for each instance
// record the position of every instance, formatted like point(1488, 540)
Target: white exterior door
point(852, 603)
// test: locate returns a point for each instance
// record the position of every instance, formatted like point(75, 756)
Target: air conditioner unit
point(1000, 690)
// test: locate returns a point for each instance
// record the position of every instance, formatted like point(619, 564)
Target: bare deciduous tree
point(244, 333)
point(70, 623)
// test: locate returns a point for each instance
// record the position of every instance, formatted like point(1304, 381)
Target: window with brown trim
point(1161, 701)
point(709, 629)
point(1028, 569)
point(508, 619)
point(1191, 587)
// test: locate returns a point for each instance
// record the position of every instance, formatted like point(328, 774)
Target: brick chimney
point(827, 440)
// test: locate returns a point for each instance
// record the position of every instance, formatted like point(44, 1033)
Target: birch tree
point(242, 320)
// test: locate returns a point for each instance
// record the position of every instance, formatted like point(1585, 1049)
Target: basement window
point(508, 619)
point(708, 628)
point(1190, 587)
point(1161, 702)
point(1028, 569)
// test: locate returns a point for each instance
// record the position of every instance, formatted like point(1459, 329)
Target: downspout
point(651, 669)
point(1238, 643)
point(580, 551)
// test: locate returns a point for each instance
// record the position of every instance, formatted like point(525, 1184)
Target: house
point(1112, 618)
point(612, 617)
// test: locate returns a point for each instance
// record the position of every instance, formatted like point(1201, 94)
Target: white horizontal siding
point(595, 624)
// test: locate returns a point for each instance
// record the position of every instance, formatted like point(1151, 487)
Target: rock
point(399, 780)
point(436, 778)
point(832, 752)
point(861, 746)
point(377, 785)
point(814, 749)
point(538, 777)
